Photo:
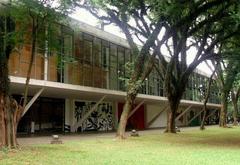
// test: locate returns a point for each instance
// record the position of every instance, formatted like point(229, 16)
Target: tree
point(40, 12)
point(146, 30)
point(227, 73)
point(235, 93)
point(35, 20)
point(187, 24)
point(199, 24)
point(9, 109)
point(225, 84)
point(206, 95)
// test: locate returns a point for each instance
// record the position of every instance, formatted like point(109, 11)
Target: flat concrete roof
point(77, 25)
point(64, 91)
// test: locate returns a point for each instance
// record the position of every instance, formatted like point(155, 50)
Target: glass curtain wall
point(97, 62)
point(64, 54)
point(105, 64)
point(91, 61)
point(113, 73)
point(121, 69)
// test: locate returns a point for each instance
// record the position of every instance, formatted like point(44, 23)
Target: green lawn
point(213, 146)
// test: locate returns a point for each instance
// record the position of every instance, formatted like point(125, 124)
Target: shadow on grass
point(58, 148)
point(227, 138)
point(47, 147)
point(218, 137)
point(220, 142)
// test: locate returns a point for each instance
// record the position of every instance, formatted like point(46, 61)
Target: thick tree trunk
point(223, 111)
point(202, 127)
point(174, 89)
point(10, 114)
point(2, 122)
point(10, 125)
point(171, 115)
point(235, 112)
point(235, 96)
point(171, 122)
point(124, 116)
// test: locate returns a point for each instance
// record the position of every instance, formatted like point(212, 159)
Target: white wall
point(151, 112)
point(161, 121)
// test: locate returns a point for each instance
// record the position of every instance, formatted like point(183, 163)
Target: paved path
point(30, 140)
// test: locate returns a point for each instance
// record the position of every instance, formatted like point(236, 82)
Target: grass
point(213, 146)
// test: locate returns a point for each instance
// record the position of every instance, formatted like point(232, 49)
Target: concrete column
point(67, 110)
point(115, 117)
point(69, 113)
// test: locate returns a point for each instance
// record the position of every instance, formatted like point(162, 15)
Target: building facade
point(80, 86)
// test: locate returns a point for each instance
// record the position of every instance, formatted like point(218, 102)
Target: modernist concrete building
point(80, 86)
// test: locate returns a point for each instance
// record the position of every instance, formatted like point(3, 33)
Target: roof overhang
point(77, 92)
